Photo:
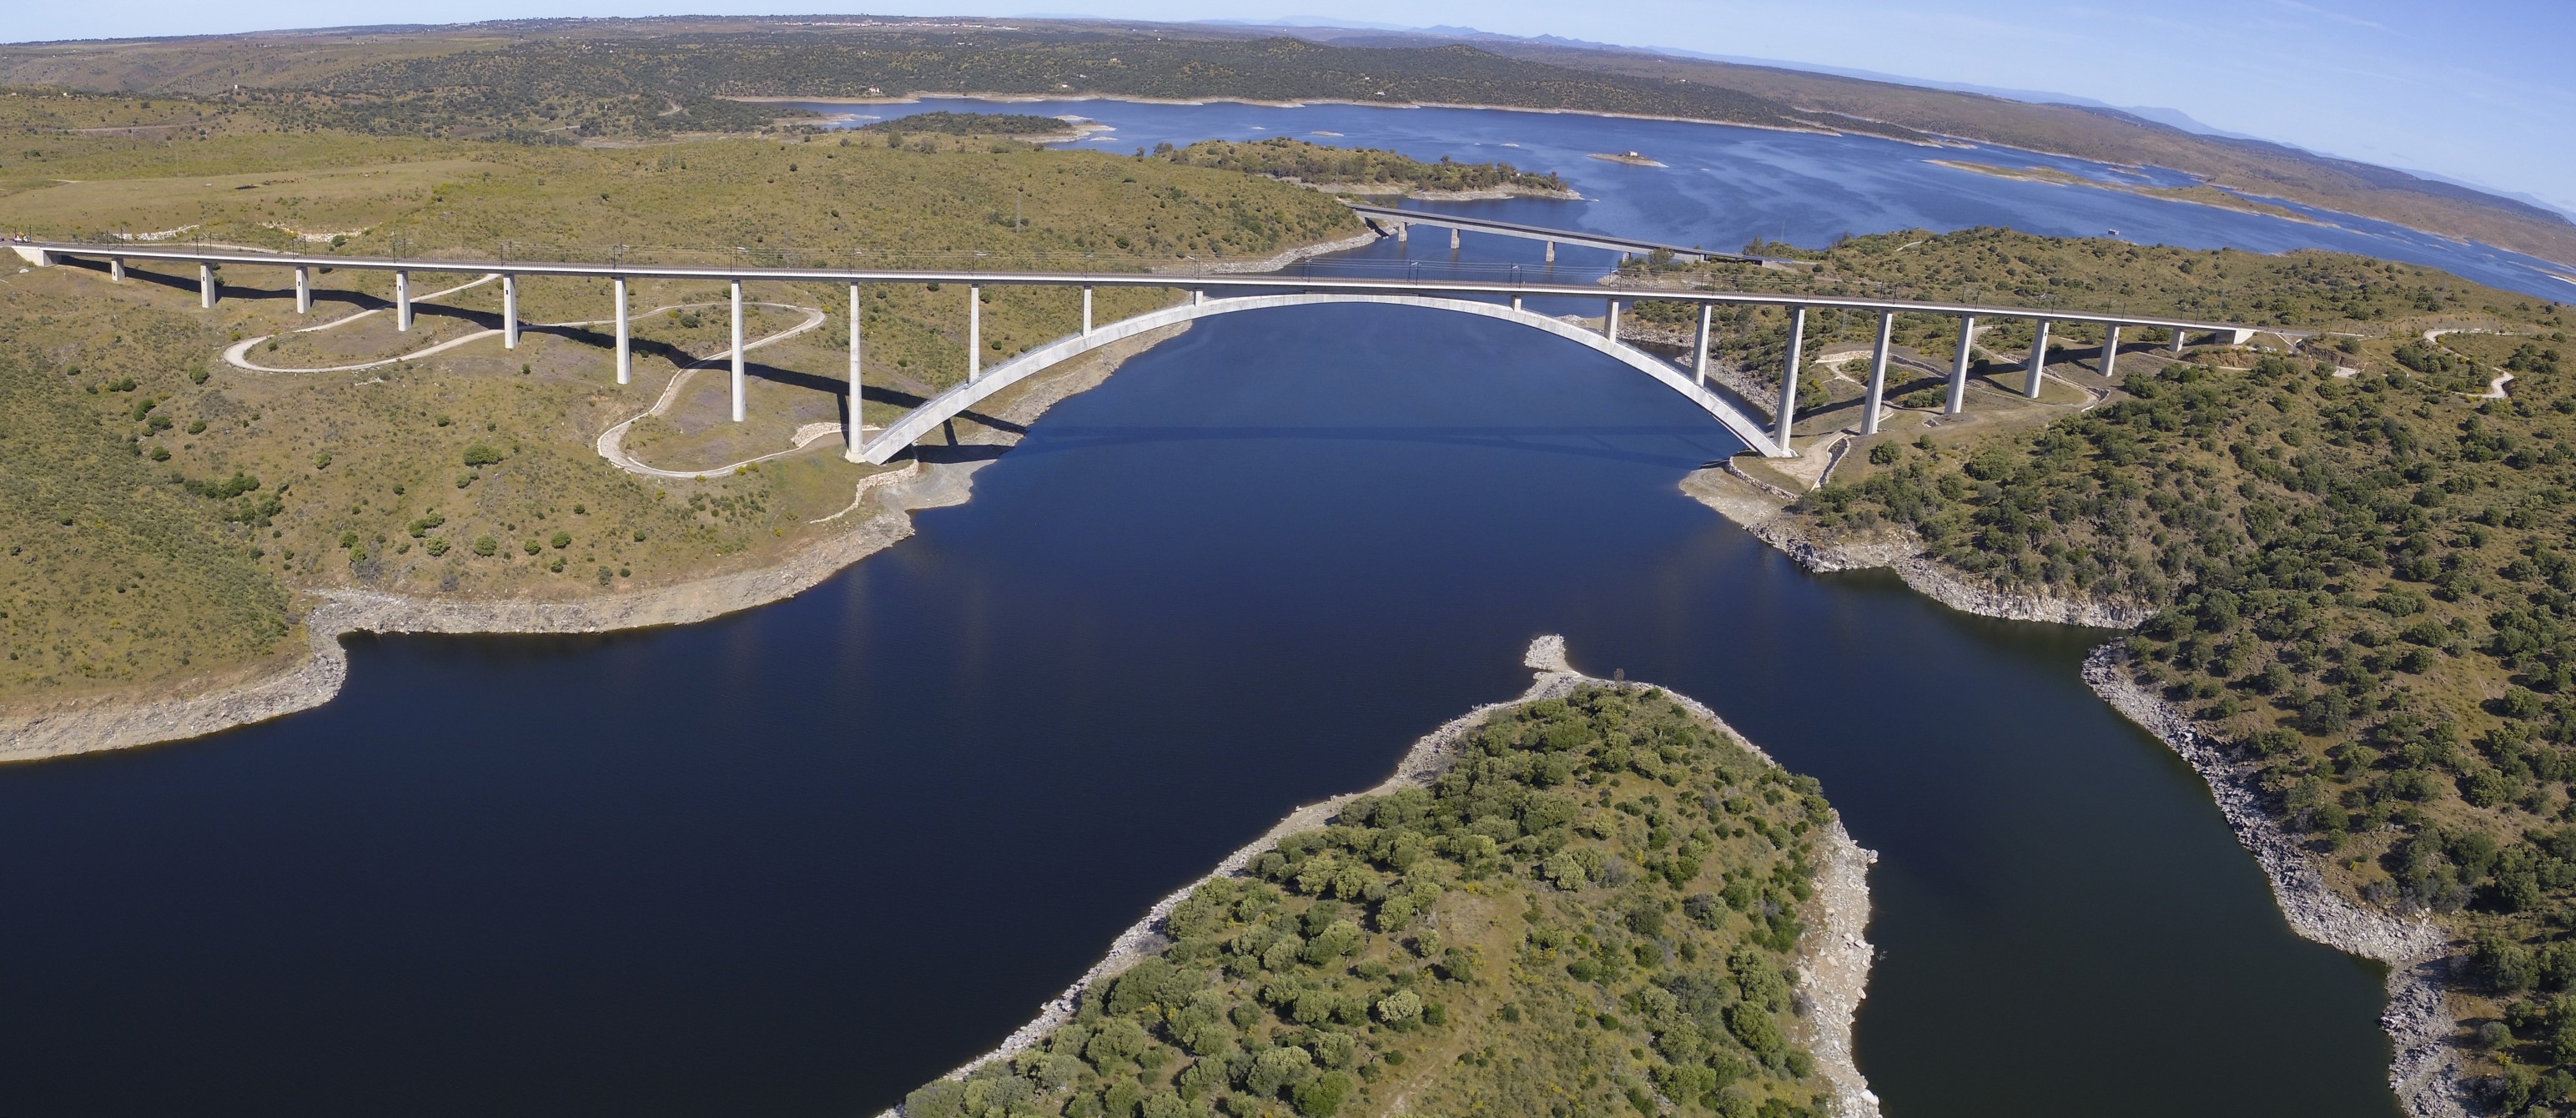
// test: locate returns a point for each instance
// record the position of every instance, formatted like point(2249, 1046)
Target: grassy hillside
point(115, 572)
point(2359, 566)
point(473, 473)
point(2376, 302)
point(1595, 913)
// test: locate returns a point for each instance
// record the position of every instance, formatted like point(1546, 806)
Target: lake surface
point(797, 861)
point(1722, 187)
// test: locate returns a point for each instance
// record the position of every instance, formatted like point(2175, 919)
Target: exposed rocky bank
point(2425, 1071)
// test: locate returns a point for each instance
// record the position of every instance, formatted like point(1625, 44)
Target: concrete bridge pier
point(1958, 400)
point(303, 290)
point(1788, 412)
point(2110, 350)
point(1877, 373)
point(974, 331)
point(402, 301)
point(2038, 358)
point(1516, 302)
point(510, 312)
point(1453, 239)
point(736, 296)
point(625, 337)
point(851, 428)
point(1086, 310)
point(1551, 252)
point(1403, 230)
point(1699, 348)
point(206, 286)
point(2177, 341)
point(116, 269)
point(1610, 321)
point(1198, 297)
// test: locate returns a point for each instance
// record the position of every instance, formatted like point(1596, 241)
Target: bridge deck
point(1234, 283)
point(1541, 233)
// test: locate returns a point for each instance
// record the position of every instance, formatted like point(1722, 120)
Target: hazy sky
point(2475, 89)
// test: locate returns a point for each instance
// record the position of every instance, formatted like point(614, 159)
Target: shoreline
point(1937, 140)
point(1837, 957)
point(77, 725)
point(2424, 1072)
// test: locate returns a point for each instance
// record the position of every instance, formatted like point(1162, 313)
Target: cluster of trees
point(2367, 582)
point(1651, 872)
point(970, 124)
point(1286, 158)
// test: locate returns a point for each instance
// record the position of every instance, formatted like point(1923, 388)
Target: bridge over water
point(1209, 294)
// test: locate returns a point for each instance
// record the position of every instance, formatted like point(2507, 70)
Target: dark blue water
point(796, 861)
point(1724, 186)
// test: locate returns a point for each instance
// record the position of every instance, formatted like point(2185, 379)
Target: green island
point(1593, 904)
point(971, 124)
point(2343, 550)
point(1364, 170)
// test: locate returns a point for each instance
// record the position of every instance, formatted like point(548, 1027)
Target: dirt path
point(612, 442)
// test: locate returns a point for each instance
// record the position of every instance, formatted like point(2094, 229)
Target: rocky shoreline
point(2425, 1071)
point(1833, 983)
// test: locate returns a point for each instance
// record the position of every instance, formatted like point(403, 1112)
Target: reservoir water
point(798, 860)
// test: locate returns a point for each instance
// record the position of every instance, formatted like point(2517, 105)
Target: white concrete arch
point(926, 418)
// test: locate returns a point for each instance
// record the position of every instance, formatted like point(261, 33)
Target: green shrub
point(486, 546)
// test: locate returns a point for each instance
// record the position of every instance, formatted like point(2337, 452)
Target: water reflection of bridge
point(1210, 294)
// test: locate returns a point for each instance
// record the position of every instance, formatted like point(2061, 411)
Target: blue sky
point(2480, 90)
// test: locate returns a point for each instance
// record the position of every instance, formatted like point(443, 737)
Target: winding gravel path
point(612, 442)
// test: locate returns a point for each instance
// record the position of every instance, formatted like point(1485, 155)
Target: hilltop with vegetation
point(1597, 910)
point(2352, 552)
point(612, 80)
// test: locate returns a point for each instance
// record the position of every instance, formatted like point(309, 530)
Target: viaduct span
point(1208, 295)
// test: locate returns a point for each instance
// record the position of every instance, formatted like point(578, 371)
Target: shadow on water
point(797, 860)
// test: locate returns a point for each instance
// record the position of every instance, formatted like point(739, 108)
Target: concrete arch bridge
point(1233, 292)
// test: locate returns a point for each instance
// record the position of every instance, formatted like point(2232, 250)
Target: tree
point(561, 540)
point(1321, 1097)
point(1277, 1068)
point(486, 546)
point(481, 454)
